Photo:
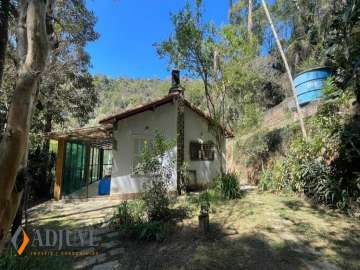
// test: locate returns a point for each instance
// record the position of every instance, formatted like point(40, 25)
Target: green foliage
point(324, 167)
point(117, 95)
point(41, 168)
point(154, 157)
point(66, 95)
point(309, 63)
point(157, 200)
point(134, 225)
point(204, 200)
point(190, 47)
point(266, 181)
point(261, 148)
point(207, 197)
point(129, 212)
point(10, 261)
point(156, 162)
point(342, 43)
point(229, 186)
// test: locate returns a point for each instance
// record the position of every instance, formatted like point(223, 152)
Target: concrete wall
point(197, 129)
point(142, 125)
point(285, 113)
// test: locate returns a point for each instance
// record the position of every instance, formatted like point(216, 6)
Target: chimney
point(175, 83)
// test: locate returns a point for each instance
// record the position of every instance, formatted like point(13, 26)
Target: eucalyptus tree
point(34, 31)
point(248, 13)
point(49, 80)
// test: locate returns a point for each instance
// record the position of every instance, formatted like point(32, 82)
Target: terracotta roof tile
point(152, 105)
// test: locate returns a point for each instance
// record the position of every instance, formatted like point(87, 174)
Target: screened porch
point(84, 162)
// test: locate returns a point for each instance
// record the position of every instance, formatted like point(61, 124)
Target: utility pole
point(301, 118)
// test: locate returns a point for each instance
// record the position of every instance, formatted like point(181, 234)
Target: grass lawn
point(258, 231)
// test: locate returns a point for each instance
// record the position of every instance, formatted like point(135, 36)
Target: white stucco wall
point(197, 129)
point(142, 125)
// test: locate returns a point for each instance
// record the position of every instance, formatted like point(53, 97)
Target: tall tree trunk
point(231, 20)
point(33, 50)
point(4, 25)
point(278, 43)
point(250, 21)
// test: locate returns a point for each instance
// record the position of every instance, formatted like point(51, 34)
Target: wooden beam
point(101, 162)
point(59, 169)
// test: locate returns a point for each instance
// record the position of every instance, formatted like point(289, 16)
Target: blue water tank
point(104, 186)
point(309, 83)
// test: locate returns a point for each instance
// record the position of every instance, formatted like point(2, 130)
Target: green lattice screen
point(74, 167)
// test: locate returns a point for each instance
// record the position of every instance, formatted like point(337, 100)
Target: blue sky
point(129, 28)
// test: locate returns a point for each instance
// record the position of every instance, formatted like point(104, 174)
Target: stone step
point(107, 266)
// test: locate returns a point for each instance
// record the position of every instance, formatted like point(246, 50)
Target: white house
point(124, 135)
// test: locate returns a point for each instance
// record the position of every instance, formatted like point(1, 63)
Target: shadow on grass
point(344, 242)
point(40, 212)
point(220, 249)
point(294, 205)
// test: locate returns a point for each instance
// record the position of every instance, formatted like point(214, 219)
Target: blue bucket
point(309, 84)
point(104, 186)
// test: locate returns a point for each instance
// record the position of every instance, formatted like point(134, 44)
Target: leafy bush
point(325, 167)
point(149, 219)
point(261, 148)
point(266, 181)
point(129, 212)
point(157, 200)
point(229, 186)
point(209, 196)
point(156, 162)
point(144, 230)
point(133, 224)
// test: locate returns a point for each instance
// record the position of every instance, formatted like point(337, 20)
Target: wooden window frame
point(202, 151)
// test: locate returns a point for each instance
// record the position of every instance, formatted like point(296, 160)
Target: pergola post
point(87, 167)
point(59, 169)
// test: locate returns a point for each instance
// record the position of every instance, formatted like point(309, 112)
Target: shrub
point(324, 167)
point(157, 200)
point(266, 180)
point(128, 213)
point(144, 230)
point(277, 178)
point(133, 224)
point(229, 186)
point(262, 147)
point(152, 231)
point(209, 196)
point(156, 162)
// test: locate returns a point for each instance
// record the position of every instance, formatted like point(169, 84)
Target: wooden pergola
point(96, 136)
